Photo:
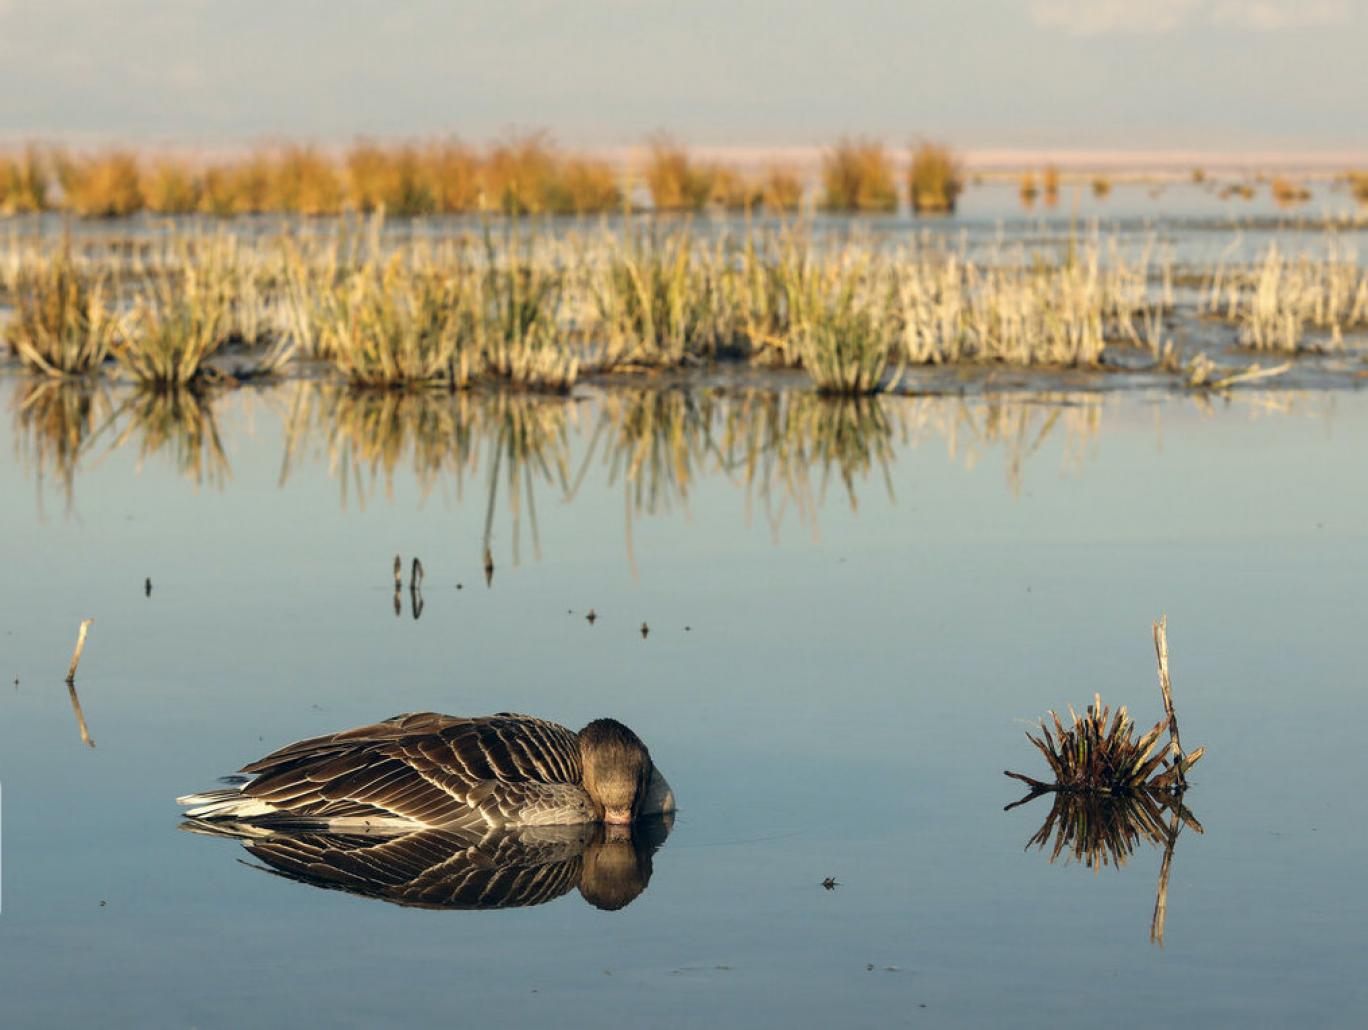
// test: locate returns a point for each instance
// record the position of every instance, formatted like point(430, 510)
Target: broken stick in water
point(80, 646)
point(1166, 688)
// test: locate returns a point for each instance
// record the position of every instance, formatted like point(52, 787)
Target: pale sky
point(1217, 75)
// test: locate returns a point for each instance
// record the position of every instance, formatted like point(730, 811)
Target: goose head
point(617, 769)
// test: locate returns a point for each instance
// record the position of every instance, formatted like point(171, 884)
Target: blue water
point(848, 635)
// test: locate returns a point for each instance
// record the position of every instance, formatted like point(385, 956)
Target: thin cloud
point(1112, 17)
point(1086, 18)
point(1273, 15)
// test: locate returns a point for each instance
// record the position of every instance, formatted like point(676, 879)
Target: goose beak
point(618, 816)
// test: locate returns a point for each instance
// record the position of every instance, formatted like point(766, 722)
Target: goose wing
point(435, 770)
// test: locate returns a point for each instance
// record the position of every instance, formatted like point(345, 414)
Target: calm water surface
point(853, 614)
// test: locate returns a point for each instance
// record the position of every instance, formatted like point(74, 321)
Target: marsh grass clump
point(733, 191)
point(62, 324)
point(1274, 302)
point(655, 301)
point(1358, 186)
point(1049, 182)
point(1101, 186)
point(23, 182)
point(1099, 754)
point(675, 181)
point(586, 186)
point(170, 187)
point(845, 333)
point(382, 326)
point(305, 182)
point(179, 319)
point(515, 302)
point(935, 179)
point(781, 190)
point(1028, 188)
point(392, 180)
point(1287, 192)
point(100, 185)
point(857, 177)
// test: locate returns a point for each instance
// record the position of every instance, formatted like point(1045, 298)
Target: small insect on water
point(591, 616)
point(831, 883)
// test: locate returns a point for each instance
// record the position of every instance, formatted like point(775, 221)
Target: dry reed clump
point(100, 185)
point(62, 324)
point(857, 177)
point(654, 300)
point(515, 320)
point(172, 188)
point(1274, 302)
point(1049, 181)
point(178, 320)
point(383, 327)
point(1288, 193)
point(935, 179)
point(391, 181)
point(845, 332)
point(305, 182)
point(1101, 186)
point(675, 182)
point(1099, 755)
point(1028, 188)
point(733, 191)
point(1358, 186)
point(781, 190)
point(23, 182)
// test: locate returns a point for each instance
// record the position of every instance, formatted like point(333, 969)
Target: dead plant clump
point(935, 179)
point(1099, 754)
point(857, 176)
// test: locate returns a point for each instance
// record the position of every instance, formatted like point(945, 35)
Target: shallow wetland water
point(854, 612)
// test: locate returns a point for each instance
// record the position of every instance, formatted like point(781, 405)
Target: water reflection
point(54, 421)
point(179, 423)
point(461, 869)
point(1099, 831)
point(785, 450)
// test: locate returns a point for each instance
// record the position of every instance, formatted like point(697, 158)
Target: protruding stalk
point(80, 646)
point(1166, 688)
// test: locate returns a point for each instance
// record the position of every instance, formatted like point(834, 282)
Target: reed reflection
point(785, 449)
point(444, 869)
point(180, 423)
point(54, 421)
point(1097, 831)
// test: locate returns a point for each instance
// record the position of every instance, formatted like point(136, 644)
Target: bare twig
point(80, 646)
point(1166, 688)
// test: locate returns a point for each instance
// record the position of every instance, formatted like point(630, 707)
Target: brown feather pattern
point(431, 769)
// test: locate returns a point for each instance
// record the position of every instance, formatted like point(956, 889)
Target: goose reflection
point(1097, 831)
point(457, 869)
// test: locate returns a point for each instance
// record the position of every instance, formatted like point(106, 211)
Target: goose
point(426, 770)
